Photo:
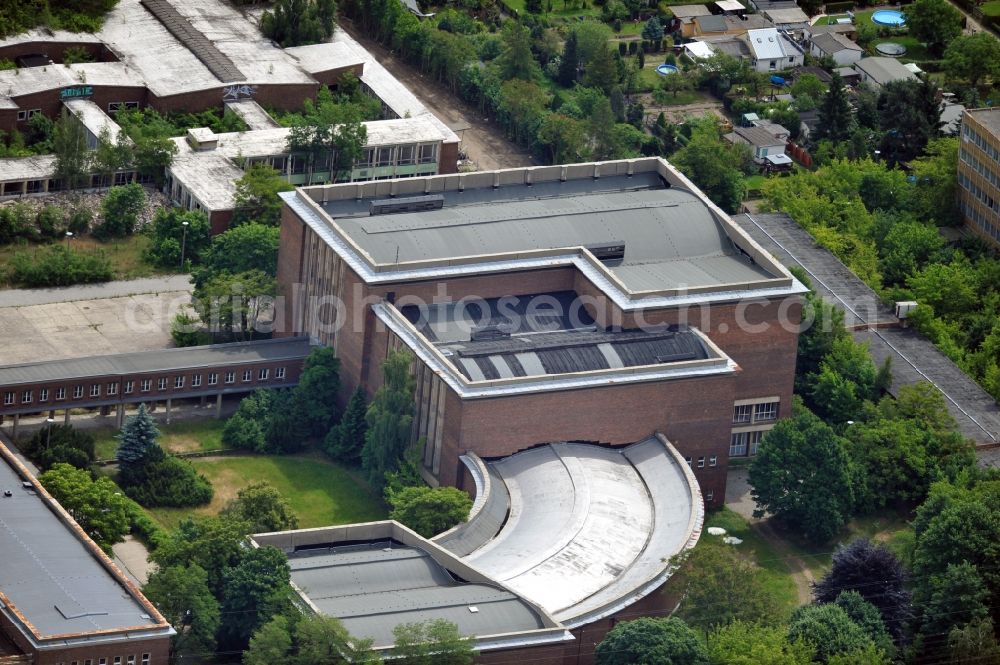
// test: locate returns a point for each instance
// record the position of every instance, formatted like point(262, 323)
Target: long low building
point(62, 600)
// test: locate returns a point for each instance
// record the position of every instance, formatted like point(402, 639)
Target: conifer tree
point(389, 418)
point(346, 440)
point(569, 62)
point(835, 118)
point(138, 441)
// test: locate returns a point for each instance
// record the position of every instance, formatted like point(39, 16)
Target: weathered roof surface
point(782, 16)
point(730, 5)
point(988, 117)
point(93, 118)
point(884, 70)
point(711, 23)
point(317, 58)
point(690, 11)
point(36, 167)
point(546, 333)
point(758, 136)
point(836, 28)
point(252, 113)
point(591, 527)
point(834, 42)
point(374, 587)
point(671, 238)
point(163, 360)
point(52, 578)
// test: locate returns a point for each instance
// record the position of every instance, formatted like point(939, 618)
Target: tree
point(974, 644)
point(713, 164)
point(390, 418)
point(875, 573)
point(603, 142)
point(822, 325)
point(910, 116)
point(120, 211)
point(835, 118)
point(845, 381)
point(98, 506)
point(182, 595)
point(868, 618)
point(111, 156)
point(720, 587)
point(591, 38)
point(565, 137)
point(569, 63)
point(299, 22)
point(231, 305)
point(69, 144)
point(247, 247)
point(600, 71)
point(315, 397)
point(828, 629)
point(934, 22)
point(647, 640)
point(803, 476)
point(517, 61)
point(907, 248)
point(972, 58)
point(436, 642)
point(262, 507)
point(152, 155)
point(60, 443)
point(677, 82)
point(936, 182)
point(956, 597)
point(256, 198)
point(808, 84)
point(214, 544)
point(168, 233)
point(138, 442)
point(332, 138)
point(653, 30)
point(254, 590)
point(741, 643)
point(346, 440)
point(248, 427)
point(322, 640)
point(430, 510)
point(270, 644)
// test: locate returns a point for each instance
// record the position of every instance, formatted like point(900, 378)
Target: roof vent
point(486, 333)
point(202, 138)
point(406, 204)
point(473, 609)
point(612, 251)
point(8, 493)
point(27, 485)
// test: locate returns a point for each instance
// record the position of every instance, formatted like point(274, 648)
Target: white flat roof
point(93, 118)
point(317, 58)
point(591, 528)
point(36, 167)
point(730, 5)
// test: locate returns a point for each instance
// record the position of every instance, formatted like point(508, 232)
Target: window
point(196, 381)
point(213, 378)
point(88, 662)
point(755, 438)
point(113, 107)
point(279, 373)
point(366, 159)
point(688, 460)
point(709, 495)
point(77, 392)
point(738, 444)
point(43, 395)
point(145, 385)
point(247, 375)
point(26, 397)
point(112, 388)
point(713, 460)
point(178, 382)
point(95, 390)
point(428, 153)
point(8, 398)
point(262, 374)
point(74, 662)
point(118, 660)
point(384, 157)
point(230, 377)
point(22, 116)
point(701, 462)
point(765, 411)
point(742, 413)
point(405, 155)
point(102, 661)
point(145, 658)
point(131, 659)
point(161, 384)
point(129, 387)
point(60, 393)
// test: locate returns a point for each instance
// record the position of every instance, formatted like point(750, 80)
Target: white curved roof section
point(589, 529)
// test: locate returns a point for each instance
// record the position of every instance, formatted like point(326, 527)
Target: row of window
point(982, 169)
point(973, 213)
point(117, 660)
point(145, 385)
point(969, 134)
point(755, 413)
point(115, 107)
point(742, 444)
point(27, 114)
point(713, 460)
point(978, 192)
point(380, 156)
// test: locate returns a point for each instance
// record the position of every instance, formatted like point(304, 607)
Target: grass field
point(320, 492)
point(991, 8)
point(125, 255)
point(185, 436)
point(915, 51)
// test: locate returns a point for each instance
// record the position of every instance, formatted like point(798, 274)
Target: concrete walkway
point(914, 358)
point(24, 297)
point(133, 559)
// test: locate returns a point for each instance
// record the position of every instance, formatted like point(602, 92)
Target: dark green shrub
point(169, 482)
point(120, 211)
point(60, 443)
point(79, 221)
point(51, 221)
point(58, 265)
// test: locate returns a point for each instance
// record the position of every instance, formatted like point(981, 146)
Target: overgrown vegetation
point(86, 16)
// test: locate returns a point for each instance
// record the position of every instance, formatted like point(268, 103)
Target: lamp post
point(183, 242)
point(48, 436)
point(69, 236)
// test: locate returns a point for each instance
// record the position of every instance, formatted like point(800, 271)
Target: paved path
point(133, 558)
point(914, 358)
point(23, 297)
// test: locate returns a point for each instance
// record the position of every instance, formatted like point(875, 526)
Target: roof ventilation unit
point(8, 493)
point(406, 204)
point(614, 251)
point(487, 333)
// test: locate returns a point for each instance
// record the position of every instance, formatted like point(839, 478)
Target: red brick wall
point(158, 650)
point(448, 159)
point(55, 50)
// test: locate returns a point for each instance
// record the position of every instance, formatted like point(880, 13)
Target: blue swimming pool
point(889, 17)
point(665, 69)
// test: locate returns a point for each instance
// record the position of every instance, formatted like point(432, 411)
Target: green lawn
point(754, 182)
point(185, 436)
point(915, 51)
point(320, 492)
point(991, 8)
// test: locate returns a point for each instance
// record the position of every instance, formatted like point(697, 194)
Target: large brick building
point(591, 302)
point(62, 600)
point(979, 173)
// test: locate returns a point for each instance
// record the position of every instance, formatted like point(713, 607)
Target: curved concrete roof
point(589, 529)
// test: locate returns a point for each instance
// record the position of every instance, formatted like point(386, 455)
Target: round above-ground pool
point(889, 17)
point(891, 49)
point(665, 69)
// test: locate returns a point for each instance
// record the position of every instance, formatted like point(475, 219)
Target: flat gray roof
point(591, 529)
point(884, 70)
point(374, 587)
point(672, 239)
point(51, 578)
point(989, 117)
point(164, 360)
